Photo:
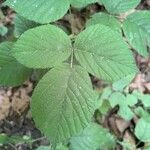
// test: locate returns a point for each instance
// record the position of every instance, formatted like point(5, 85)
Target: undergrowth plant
point(63, 102)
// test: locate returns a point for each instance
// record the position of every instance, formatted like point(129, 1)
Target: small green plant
point(64, 101)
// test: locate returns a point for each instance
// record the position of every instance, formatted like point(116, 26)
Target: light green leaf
point(137, 30)
point(61, 147)
point(42, 47)
point(92, 138)
point(105, 19)
point(101, 51)
point(142, 113)
point(142, 130)
point(22, 24)
point(63, 102)
point(44, 148)
point(81, 3)
point(40, 10)
point(100, 2)
point(119, 6)
point(122, 83)
point(124, 103)
point(145, 99)
point(105, 107)
point(3, 139)
point(12, 73)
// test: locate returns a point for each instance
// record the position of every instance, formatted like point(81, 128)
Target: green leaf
point(145, 99)
point(122, 83)
point(12, 73)
point(92, 138)
point(124, 103)
point(40, 10)
point(105, 19)
point(63, 102)
point(61, 147)
point(119, 6)
point(3, 139)
point(137, 31)
point(42, 47)
point(22, 24)
point(44, 148)
point(81, 3)
point(101, 51)
point(142, 130)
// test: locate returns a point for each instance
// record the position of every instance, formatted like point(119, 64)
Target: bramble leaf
point(103, 53)
point(105, 19)
point(81, 3)
point(42, 47)
point(119, 6)
point(137, 30)
point(22, 24)
point(40, 11)
point(142, 130)
point(93, 137)
point(63, 102)
point(12, 73)
point(118, 98)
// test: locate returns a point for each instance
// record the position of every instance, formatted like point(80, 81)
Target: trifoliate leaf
point(81, 3)
point(12, 73)
point(105, 19)
point(119, 6)
point(92, 138)
point(103, 53)
point(42, 47)
point(142, 130)
point(63, 102)
point(40, 11)
point(22, 24)
point(137, 31)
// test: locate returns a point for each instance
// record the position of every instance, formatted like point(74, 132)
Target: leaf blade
point(11, 72)
point(40, 11)
point(65, 100)
point(100, 58)
point(42, 47)
point(137, 31)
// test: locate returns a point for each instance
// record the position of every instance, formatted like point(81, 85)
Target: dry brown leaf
point(4, 107)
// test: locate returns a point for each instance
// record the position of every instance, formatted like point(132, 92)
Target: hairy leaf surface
point(63, 102)
point(40, 10)
point(42, 47)
point(102, 52)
